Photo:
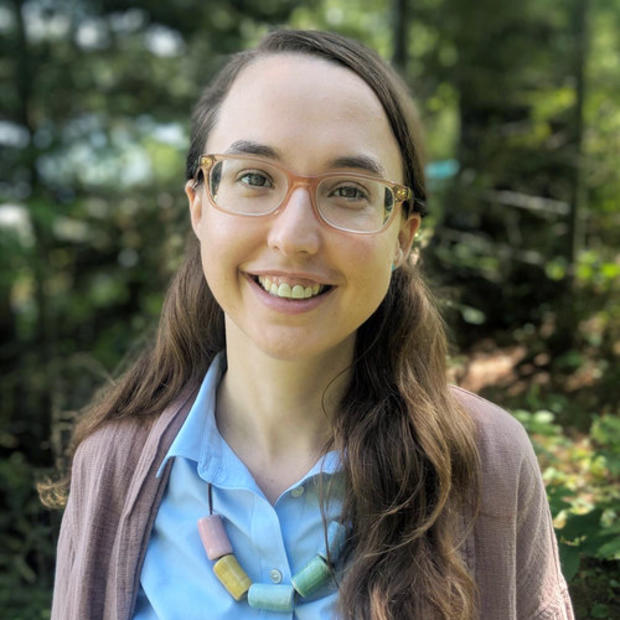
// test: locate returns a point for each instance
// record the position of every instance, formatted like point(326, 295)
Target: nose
point(295, 228)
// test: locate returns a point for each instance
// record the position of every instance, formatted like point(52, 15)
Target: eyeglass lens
point(248, 187)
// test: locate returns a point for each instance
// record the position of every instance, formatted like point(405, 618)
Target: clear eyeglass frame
point(401, 193)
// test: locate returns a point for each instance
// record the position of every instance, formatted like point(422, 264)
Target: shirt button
point(276, 575)
point(298, 491)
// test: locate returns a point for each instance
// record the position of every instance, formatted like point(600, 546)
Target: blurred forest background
point(521, 103)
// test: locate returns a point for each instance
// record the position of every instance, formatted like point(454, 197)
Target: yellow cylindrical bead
point(232, 576)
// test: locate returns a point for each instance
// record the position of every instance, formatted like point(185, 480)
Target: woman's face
point(305, 114)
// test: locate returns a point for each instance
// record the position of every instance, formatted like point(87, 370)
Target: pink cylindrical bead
point(213, 536)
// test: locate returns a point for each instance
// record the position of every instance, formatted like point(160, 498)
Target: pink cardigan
point(114, 498)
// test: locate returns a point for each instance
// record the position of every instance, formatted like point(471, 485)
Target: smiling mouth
point(290, 291)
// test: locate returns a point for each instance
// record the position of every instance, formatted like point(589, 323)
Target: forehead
point(309, 111)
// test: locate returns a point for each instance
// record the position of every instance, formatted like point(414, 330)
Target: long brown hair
point(409, 454)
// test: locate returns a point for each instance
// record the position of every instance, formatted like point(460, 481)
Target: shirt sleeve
point(513, 552)
point(66, 553)
point(87, 528)
point(542, 593)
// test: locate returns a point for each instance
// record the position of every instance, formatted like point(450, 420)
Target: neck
point(272, 410)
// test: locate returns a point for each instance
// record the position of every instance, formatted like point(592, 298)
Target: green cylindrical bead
point(271, 597)
point(228, 570)
point(312, 576)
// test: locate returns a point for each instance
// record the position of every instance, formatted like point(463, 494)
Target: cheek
point(373, 258)
point(225, 248)
point(220, 238)
point(370, 275)
point(217, 249)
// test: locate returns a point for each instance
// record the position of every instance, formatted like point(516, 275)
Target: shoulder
point(102, 469)
point(498, 432)
point(508, 464)
point(108, 459)
point(114, 440)
point(112, 447)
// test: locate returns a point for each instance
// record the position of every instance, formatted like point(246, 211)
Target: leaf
point(610, 550)
point(606, 431)
point(578, 526)
point(556, 495)
point(570, 559)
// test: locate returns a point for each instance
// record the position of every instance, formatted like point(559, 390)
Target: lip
point(296, 277)
point(282, 305)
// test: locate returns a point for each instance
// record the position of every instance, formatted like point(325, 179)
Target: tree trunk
point(581, 9)
point(37, 408)
point(400, 26)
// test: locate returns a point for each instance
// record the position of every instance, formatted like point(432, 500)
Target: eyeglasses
point(251, 186)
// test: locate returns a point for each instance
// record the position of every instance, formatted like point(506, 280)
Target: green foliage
point(606, 433)
point(26, 542)
point(583, 488)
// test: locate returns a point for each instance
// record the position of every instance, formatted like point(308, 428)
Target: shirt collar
point(199, 427)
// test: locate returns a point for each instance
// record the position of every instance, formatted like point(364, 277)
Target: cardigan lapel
point(144, 494)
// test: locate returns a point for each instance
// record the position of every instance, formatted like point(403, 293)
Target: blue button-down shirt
point(271, 542)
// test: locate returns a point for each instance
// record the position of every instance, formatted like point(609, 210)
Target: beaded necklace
point(270, 597)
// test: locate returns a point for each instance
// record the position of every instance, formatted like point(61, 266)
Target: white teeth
point(297, 291)
point(284, 290)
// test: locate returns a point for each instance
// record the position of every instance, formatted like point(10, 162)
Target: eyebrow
point(253, 148)
point(359, 162)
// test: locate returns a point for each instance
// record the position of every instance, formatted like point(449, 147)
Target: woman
point(289, 446)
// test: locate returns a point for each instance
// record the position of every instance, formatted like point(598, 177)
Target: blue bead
point(336, 537)
point(271, 597)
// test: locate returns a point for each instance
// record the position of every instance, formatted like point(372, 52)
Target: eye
point(255, 178)
point(350, 192)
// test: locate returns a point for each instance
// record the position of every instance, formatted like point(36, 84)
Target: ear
point(408, 228)
point(193, 194)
